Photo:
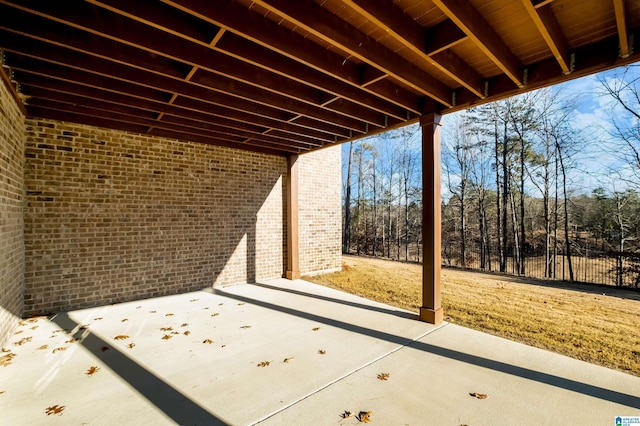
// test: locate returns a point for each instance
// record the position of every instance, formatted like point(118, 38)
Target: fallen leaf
point(322, 352)
point(18, 332)
point(92, 370)
point(479, 395)
point(287, 359)
point(1, 392)
point(124, 320)
point(223, 346)
point(6, 350)
point(186, 333)
point(166, 328)
point(208, 341)
point(43, 347)
point(206, 308)
point(56, 409)
point(105, 348)
point(83, 327)
point(6, 359)
point(22, 341)
point(60, 349)
point(71, 341)
point(34, 327)
point(316, 329)
point(121, 337)
point(175, 332)
point(97, 319)
point(364, 416)
point(346, 414)
point(184, 325)
point(215, 314)
point(167, 337)
point(220, 304)
point(383, 376)
point(152, 312)
point(241, 303)
point(169, 315)
point(264, 364)
point(131, 345)
point(246, 326)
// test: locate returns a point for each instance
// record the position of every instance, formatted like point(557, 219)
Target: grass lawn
point(592, 323)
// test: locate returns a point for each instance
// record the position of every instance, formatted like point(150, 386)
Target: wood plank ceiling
point(288, 77)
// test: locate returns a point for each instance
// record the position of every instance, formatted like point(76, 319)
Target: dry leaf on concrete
point(346, 414)
point(167, 337)
point(166, 328)
point(364, 416)
point(131, 345)
point(55, 409)
point(92, 370)
point(316, 329)
point(207, 341)
point(186, 333)
point(246, 326)
point(121, 337)
point(383, 376)
point(286, 360)
point(479, 395)
point(264, 363)
point(60, 349)
point(322, 352)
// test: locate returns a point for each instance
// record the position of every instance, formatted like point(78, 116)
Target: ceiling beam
point(131, 116)
point(327, 26)
point(621, 23)
point(176, 22)
point(546, 22)
point(227, 75)
point(405, 30)
point(476, 27)
point(252, 26)
point(53, 114)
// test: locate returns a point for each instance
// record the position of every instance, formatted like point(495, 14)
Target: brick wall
point(320, 214)
point(114, 216)
point(11, 213)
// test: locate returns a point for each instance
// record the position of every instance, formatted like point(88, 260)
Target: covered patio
point(151, 149)
point(291, 352)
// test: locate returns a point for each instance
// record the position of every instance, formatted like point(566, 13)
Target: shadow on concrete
point(632, 401)
point(398, 313)
point(169, 400)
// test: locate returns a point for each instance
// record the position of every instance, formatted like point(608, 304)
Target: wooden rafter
point(289, 77)
point(406, 31)
point(621, 23)
point(475, 26)
point(546, 23)
point(309, 15)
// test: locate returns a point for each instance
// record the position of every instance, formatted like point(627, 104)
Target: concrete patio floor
point(201, 358)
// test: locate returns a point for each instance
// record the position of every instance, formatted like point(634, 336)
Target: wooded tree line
point(512, 187)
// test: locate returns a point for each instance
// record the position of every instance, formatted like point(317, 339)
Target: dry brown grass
point(595, 324)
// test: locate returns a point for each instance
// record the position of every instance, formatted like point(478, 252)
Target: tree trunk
point(346, 238)
point(505, 197)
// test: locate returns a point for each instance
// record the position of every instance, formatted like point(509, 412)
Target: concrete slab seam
point(350, 373)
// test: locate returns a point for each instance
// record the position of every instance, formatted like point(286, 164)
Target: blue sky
point(591, 113)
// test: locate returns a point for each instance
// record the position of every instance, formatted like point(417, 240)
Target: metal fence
point(620, 269)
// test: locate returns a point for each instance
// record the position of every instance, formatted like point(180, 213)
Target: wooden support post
point(431, 310)
point(293, 261)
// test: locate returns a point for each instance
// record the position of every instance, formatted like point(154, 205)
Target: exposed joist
point(546, 22)
point(124, 93)
point(227, 75)
point(476, 27)
point(621, 23)
point(323, 24)
point(275, 37)
point(173, 21)
point(386, 15)
point(135, 128)
point(132, 116)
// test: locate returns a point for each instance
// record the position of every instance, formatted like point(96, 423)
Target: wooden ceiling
point(290, 76)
